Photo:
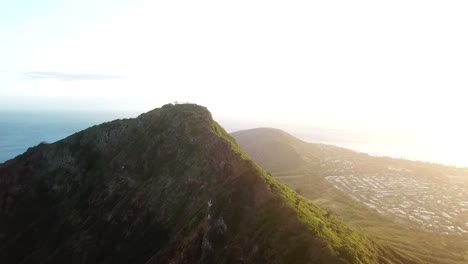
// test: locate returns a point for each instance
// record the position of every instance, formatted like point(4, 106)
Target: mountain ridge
point(170, 186)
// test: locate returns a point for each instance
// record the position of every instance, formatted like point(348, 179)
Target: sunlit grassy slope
point(351, 244)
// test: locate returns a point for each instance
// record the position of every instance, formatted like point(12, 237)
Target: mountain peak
point(170, 186)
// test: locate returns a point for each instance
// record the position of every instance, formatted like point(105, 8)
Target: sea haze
point(20, 130)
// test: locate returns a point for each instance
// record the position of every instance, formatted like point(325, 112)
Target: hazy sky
point(343, 64)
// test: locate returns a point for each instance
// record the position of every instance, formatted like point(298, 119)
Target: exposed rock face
point(167, 187)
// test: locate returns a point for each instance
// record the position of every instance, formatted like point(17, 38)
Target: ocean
point(20, 130)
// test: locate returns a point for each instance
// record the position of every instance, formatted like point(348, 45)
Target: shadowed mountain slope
point(170, 186)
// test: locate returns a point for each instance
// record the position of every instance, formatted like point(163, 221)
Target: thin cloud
point(39, 75)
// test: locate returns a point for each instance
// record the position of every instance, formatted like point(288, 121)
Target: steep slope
point(406, 241)
point(167, 187)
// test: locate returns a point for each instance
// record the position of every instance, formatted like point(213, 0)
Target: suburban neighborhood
point(434, 206)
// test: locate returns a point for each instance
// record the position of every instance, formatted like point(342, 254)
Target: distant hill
point(271, 148)
point(304, 167)
point(170, 186)
point(281, 152)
